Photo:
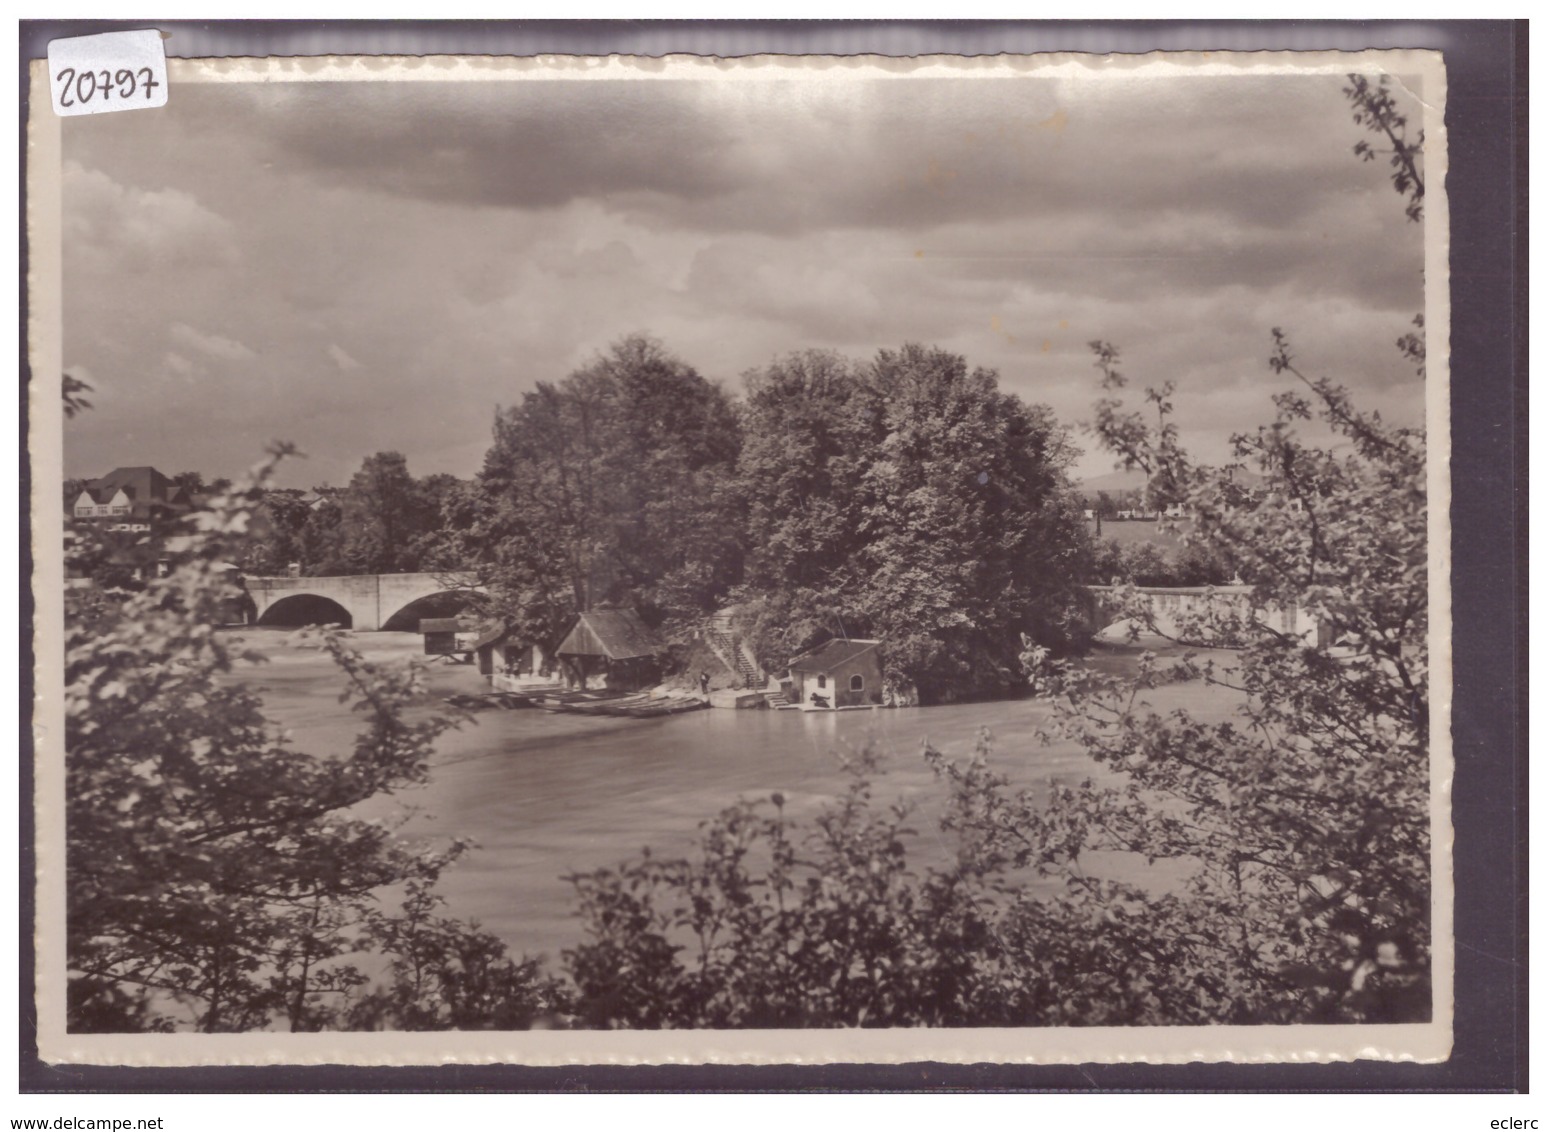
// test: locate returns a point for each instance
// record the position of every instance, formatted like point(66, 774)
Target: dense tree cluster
point(615, 486)
point(907, 498)
point(384, 522)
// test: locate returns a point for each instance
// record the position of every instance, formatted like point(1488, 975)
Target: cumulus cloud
point(210, 345)
point(112, 227)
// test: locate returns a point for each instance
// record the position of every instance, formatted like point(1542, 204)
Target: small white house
point(509, 663)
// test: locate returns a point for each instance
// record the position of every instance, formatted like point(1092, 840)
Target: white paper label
point(97, 74)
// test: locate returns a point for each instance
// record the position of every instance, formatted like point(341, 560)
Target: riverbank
point(302, 687)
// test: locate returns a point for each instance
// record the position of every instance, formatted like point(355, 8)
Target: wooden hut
point(446, 636)
point(841, 673)
point(507, 660)
point(612, 647)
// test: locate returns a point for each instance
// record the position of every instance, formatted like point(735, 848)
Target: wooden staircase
point(729, 649)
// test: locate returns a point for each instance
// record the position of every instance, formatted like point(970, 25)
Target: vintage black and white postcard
point(788, 559)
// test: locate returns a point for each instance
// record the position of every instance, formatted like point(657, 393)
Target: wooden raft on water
point(637, 705)
point(484, 701)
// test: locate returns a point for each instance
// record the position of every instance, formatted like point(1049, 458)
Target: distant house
point(140, 494)
point(507, 661)
point(133, 506)
point(614, 648)
point(841, 673)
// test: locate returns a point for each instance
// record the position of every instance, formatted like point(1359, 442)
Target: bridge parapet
point(1170, 605)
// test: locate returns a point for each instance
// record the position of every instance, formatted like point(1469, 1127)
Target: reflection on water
point(544, 795)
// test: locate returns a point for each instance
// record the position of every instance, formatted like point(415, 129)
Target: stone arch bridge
point(359, 601)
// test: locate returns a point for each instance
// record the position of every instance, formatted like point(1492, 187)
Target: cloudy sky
point(366, 266)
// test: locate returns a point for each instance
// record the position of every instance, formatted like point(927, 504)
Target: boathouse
point(612, 649)
point(446, 636)
point(507, 661)
point(844, 672)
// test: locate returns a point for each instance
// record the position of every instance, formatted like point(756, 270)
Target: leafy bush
point(217, 878)
point(771, 926)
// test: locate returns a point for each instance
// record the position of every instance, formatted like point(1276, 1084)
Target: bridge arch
point(297, 609)
point(443, 603)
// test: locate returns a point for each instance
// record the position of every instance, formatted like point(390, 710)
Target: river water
point(544, 795)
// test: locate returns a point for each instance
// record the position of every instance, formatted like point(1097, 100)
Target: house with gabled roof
point(130, 508)
point(843, 672)
point(509, 661)
point(138, 493)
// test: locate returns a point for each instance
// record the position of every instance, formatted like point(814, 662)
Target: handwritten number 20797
point(88, 85)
